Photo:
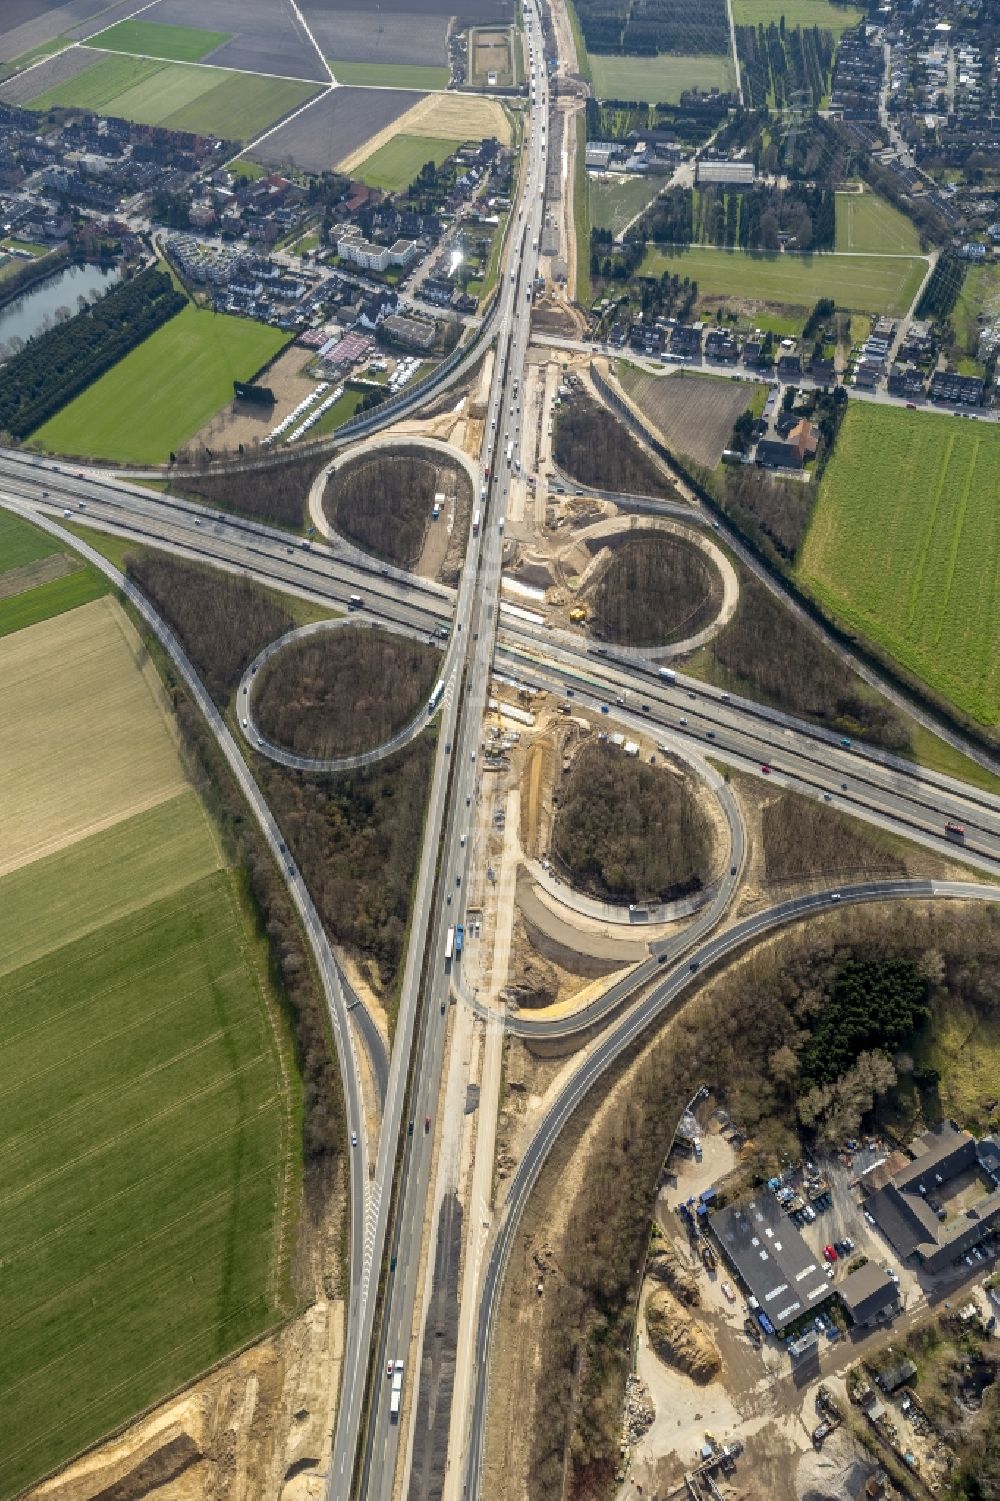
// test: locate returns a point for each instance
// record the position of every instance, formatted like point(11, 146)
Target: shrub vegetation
point(343, 691)
point(595, 448)
point(628, 832)
point(276, 493)
point(655, 590)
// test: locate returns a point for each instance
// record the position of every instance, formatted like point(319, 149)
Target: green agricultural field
point(391, 75)
point(819, 13)
point(147, 1149)
point(53, 598)
point(661, 79)
point(211, 101)
point(182, 44)
point(103, 878)
point(615, 201)
point(395, 165)
point(160, 394)
point(867, 222)
point(863, 283)
point(21, 543)
point(904, 546)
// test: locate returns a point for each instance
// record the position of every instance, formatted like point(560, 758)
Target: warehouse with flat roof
point(771, 1258)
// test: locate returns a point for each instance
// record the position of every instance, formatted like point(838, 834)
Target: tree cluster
point(789, 67)
point(627, 832)
point(765, 650)
point(384, 502)
point(343, 691)
point(275, 492)
point(759, 218)
point(745, 1037)
point(942, 290)
point(654, 590)
point(222, 620)
point(58, 365)
point(596, 448)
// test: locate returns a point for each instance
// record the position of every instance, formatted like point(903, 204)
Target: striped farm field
point(150, 1135)
point(904, 546)
point(183, 44)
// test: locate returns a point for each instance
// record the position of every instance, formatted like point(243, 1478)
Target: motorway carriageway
point(889, 790)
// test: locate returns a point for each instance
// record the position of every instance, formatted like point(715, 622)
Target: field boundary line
point(184, 62)
point(250, 146)
point(316, 47)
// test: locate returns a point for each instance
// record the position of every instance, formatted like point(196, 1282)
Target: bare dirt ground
point(15, 581)
point(257, 1426)
point(693, 413)
point(243, 421)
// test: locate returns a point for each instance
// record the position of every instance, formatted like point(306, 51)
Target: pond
point(26, 315)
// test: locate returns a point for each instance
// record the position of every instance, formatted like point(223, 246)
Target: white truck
point(668, 674)
point(397, 1391)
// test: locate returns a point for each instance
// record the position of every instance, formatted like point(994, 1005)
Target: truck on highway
point(459, 938)
point(449, 946)
point(510, 452)
point(435, 698)
point(397, 1391)
point(476, 520)
point(355, 602)
point(668, 674)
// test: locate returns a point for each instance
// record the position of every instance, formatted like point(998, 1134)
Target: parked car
point(829, 1253)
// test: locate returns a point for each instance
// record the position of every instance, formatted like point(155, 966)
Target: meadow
point(160, 394)
point(182, 44)
point(391, 75)
point(661, 79)
point(52, 598)
point(395, 165)
point(904, 546)
point(615, 200)
point(866, 222)
point(864, 283)
point(149, 1112)
point(235, 106)
point(821, 13)
point(21, 543)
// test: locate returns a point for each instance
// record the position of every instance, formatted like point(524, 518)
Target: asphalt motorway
point(439, 903)
point(662, 1000)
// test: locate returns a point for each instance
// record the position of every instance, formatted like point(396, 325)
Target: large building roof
point(771, 1258)
point(905, 1209)
point(867, 1291)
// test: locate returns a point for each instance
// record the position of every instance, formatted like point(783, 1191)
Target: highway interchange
point(390, 1184)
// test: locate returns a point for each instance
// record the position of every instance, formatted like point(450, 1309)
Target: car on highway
point(245, 724)
point(835, 896)
point(765, 768)
point(66, 511)
point(354, 1138)
point(427, 1123)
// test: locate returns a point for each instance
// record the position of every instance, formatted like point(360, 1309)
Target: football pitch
point(661, 79)
point(904, 546)
point(862, 283)
point(867, 222)
point(160, 394)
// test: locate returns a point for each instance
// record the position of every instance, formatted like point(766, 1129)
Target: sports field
point(391, 75)
point(819, 13)
point(182, 44)
point(661, 79)
point(159, 395)
point(235, 106)
point(904, 546)
point(867, 222)
point(148, 1111)
point(863, 283)
point(396, 164)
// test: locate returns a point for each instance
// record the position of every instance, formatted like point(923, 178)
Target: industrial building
point(771, 1259)
point(869, 1295)
point(942, 1203)
point(722, 170)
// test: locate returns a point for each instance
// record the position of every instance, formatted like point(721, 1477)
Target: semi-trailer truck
point(668, 674)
